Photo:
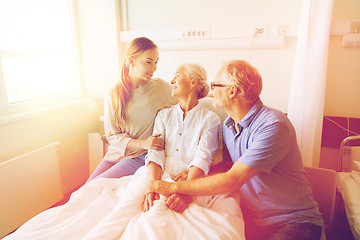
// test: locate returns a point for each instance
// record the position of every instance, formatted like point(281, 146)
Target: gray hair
point(196, 71)
point(245, 77)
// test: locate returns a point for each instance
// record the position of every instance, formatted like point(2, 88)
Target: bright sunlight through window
point(36, 49)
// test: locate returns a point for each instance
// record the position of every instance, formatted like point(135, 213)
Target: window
point(37, 51)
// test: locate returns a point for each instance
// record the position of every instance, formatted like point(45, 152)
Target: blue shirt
point(280, 193)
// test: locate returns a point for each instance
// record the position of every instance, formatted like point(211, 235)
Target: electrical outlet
point(260, 30)
point(198, 33)
point(282, 30)
point(355, 27)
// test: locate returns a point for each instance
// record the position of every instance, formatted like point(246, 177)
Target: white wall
point(70, 126)
point(102, 54)
point(98, 32)
point(158, 14)
point(342, 96)
point(275, 65)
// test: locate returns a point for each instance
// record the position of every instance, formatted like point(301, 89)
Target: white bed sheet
point(350, 191)
point(101, 210)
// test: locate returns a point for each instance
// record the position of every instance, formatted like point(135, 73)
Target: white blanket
point(350, 191)
point(112, 209)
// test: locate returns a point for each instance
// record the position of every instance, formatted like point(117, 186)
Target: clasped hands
point(176, 202)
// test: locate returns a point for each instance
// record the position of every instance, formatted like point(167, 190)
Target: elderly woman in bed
point(191, 136)
point(190, 132)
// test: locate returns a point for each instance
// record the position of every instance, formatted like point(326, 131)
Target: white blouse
point(188, 142)
point(142, 109)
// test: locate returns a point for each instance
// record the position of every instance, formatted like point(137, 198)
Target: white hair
point(196, 71)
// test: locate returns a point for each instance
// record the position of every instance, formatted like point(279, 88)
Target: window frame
point(45, 103)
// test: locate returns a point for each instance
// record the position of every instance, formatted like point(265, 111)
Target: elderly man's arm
point(229, 181)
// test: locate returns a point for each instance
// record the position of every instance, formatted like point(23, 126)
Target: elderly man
point(276, 197)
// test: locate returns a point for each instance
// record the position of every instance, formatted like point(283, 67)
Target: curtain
point(307, 93)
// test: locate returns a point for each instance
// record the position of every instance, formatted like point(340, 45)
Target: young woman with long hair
point(130, 110)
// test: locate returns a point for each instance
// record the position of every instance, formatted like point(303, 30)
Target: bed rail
point(342, 145)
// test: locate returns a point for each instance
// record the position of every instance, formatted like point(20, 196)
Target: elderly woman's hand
point(181, 176)
point(178, 202)
point(154, 142)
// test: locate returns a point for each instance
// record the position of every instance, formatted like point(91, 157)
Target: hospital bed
point(84, 201)
point(348, 185)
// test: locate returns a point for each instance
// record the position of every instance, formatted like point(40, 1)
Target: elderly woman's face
point(181, 85)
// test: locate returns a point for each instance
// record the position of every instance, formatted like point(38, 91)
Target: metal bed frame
point(342, 146)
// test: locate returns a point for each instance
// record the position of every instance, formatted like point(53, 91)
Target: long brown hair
point(122, 92)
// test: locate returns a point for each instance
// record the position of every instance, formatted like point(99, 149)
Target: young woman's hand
point(154, 142)
point(149, 200)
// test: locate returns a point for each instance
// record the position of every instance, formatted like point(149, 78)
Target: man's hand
point(149, 200)
point(178, 202)
point(161, 187)
point(154, 142)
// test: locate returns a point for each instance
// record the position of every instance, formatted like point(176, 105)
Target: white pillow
point(356, 176)
point(356, 165)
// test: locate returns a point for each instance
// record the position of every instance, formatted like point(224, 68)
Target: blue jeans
point(117, 169)
point(294, 231)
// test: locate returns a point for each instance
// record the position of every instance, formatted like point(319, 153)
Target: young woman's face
point(181, 85)
point(144, 65)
